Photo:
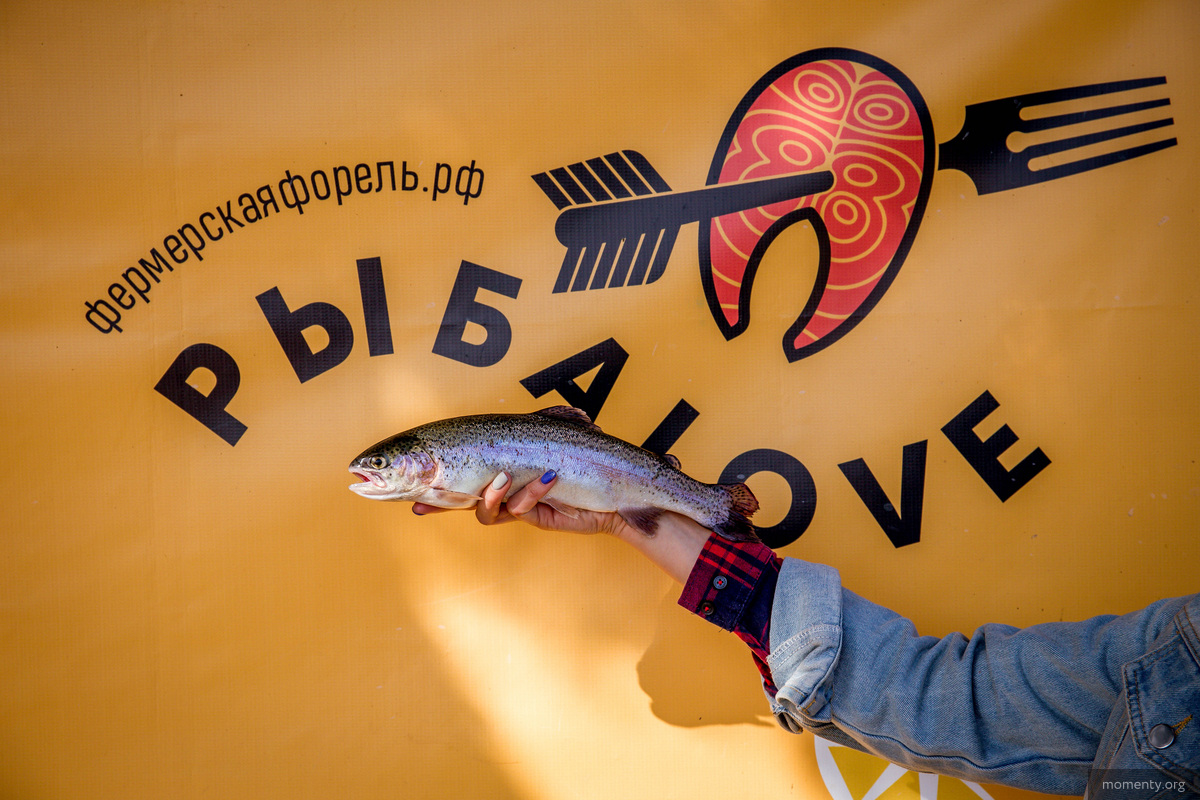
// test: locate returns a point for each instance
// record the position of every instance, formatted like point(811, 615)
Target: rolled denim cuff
point(806, 638)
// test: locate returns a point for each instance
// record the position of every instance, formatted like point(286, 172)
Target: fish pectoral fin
point(561, 507)
point(645, 520)
point(444, 498)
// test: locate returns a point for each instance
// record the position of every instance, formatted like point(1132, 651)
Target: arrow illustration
point(621, 219)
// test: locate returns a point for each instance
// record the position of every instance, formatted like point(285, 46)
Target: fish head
point(393, 470)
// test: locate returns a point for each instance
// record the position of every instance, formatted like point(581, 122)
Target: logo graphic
point(835, 137)
point(851, 775)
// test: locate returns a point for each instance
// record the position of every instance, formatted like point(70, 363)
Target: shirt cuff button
point(720, 581)
point(706, 608)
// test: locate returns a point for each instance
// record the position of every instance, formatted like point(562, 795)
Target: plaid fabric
point(732, 585)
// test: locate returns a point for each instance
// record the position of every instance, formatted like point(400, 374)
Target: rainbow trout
point(448, 464)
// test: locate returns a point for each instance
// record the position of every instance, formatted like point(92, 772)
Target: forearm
point(1021, 707)
point(674, 547)
point(730, 584)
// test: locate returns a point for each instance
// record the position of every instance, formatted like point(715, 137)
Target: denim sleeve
point(1020, 707)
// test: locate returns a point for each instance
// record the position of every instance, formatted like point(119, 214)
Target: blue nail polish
point(549, 476)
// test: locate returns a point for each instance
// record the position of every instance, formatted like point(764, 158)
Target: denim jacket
point(1109, 706)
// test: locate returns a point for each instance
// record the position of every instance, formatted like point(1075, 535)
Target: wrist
point(674, 546)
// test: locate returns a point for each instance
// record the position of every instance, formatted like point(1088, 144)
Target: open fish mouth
point(369, 483)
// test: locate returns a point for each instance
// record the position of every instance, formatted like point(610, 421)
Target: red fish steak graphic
point(835, 137)
point(866, 123)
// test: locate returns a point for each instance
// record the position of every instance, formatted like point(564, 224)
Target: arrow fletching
point(600, 256)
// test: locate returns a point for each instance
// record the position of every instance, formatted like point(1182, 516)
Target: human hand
point(674, 547)
point(525, 505)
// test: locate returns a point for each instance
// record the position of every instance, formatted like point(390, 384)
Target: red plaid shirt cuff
point(732, 585)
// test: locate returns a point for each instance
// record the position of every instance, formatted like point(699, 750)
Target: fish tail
point(737, 526)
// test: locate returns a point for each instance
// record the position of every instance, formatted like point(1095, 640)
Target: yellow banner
point(890, 264)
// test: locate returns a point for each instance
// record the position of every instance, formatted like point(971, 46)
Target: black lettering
point(338, 172)
point(316, 190)
point(247, 204)
point(466, 192)
point(804, 492)
point(902, 528)
point(174, 246)
point(609, 356)
point(296, 183)
point(102, 316)
point(441, 186)
point(375, 307)
point(405, 184)
point(362, 176)
point(208, 410)
point(379, 165)
point(227, 218)
point(156, 265)
point(462, 307)
point(195, 246)
point(118, 293)
point(268, 201)
point(204, 224)
point(670, 429)
point(983, 455)
point(289, 327)
point(143, 289)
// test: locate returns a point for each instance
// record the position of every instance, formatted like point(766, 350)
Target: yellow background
point(182, 618)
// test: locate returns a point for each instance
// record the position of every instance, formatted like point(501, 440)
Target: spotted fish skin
point(448, 463)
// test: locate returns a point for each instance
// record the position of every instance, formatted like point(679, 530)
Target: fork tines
point(980, 149)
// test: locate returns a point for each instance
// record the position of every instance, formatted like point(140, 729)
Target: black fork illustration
point(980, 148)
point(620, 219)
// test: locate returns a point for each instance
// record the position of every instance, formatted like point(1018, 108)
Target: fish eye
point(377, 462)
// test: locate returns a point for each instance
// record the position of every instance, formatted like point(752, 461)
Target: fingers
point(531, 494)
point(490, 509)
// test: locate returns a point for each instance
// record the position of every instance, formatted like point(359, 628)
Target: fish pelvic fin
point(444, 498)
point(737, 526)
point(644, 520)
point(570, 414)
point(561, 507)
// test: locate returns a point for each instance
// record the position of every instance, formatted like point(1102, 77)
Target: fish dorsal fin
point(569, 414)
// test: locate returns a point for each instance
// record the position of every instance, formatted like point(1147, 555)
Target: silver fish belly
point(448, 463)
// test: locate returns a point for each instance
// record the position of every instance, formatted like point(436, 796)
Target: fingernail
point(549, 476)
point(499, 482)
